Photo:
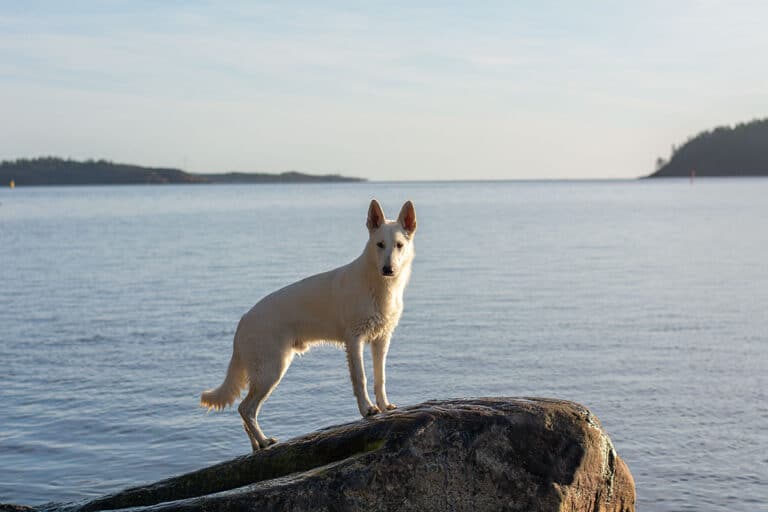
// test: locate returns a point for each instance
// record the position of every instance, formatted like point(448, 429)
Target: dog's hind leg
point(247, 411)
point(263, 380)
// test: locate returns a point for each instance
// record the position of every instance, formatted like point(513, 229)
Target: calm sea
point(647, 301)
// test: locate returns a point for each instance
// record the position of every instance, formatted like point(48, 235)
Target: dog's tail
point(229, 390)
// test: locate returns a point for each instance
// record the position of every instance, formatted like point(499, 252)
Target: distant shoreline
point(52, 171)
point(740, 151)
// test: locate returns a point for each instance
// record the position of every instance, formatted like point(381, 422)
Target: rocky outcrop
point(473, 454)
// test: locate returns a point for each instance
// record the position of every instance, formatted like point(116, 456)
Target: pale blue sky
point(387, 90)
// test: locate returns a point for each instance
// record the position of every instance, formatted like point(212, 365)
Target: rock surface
point(472, 454)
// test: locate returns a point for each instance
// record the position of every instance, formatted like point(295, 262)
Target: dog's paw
point(371, 411)
point(266, 443)
point(391, 407)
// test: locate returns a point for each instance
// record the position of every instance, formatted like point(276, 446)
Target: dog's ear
point(375, 216)
point(407, 217)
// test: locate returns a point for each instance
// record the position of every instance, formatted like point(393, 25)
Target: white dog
point(352, 305)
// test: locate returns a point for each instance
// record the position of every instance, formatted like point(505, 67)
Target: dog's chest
point(380, 317)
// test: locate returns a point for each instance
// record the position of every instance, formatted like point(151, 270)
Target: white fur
point(350, 306)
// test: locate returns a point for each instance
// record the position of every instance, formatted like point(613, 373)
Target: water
point(645, 301)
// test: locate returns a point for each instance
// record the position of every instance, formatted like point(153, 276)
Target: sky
point(395, 90)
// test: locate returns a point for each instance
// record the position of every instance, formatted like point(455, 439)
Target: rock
point(473, 454)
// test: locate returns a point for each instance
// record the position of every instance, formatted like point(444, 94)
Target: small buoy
point(12, 184)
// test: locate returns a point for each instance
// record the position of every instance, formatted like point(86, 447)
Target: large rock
point(474, 454)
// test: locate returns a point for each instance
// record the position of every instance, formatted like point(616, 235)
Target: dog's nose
point(387, 270)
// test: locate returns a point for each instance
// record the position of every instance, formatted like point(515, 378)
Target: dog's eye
point(399, 245)
point(380, 245)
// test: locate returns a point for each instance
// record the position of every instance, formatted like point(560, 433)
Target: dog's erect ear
point(407, 217)
point(375, 216)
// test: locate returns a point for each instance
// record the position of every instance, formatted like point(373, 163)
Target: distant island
point(58, 171)
point(741, 150)
point(284, 177)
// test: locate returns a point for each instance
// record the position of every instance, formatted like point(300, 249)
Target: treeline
point(741, 150)
point(285, 177)
point(58, 171)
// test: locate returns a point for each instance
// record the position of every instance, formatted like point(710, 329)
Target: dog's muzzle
point(387, 271)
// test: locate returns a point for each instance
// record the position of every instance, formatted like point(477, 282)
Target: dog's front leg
point(357, 374)
point(379, 349)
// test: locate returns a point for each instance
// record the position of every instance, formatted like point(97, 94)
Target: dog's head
point(391, 241)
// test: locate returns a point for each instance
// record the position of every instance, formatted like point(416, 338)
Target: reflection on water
point(643, 300)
